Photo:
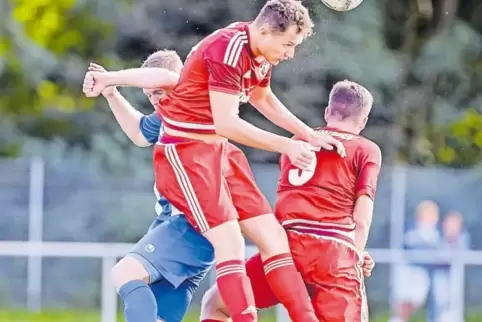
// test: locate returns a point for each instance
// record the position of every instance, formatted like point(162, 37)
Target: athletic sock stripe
point(277, 264)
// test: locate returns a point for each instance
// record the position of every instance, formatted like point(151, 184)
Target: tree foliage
point(421, 59)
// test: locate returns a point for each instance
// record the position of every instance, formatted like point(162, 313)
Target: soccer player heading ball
point(209, 179)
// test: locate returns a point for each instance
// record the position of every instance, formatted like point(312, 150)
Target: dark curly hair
point(282, 14)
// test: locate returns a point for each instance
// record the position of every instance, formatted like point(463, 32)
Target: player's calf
point(234, 286)
point(279, 268)
point(131, 281)
point(213, 308)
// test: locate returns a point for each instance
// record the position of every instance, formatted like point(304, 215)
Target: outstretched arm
point(138, 127)
point(225, 110)
point(139, 77)
point(142, 130)
point(266, 102)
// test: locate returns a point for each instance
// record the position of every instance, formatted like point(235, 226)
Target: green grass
point(88, 316)
point(92, 316)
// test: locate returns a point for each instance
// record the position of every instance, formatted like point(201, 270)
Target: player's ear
point(327, 113)
point(264, 29)
point(364, 122)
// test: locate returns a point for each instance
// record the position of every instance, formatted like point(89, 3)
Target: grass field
point(83, 316)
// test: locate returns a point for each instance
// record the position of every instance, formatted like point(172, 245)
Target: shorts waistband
point(170, 139)
point(344, 233)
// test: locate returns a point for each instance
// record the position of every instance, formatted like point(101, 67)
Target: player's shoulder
point(369, 145)
point(228, 44)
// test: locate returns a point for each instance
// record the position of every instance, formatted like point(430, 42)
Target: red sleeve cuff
point(366, 191)
point(222, 89)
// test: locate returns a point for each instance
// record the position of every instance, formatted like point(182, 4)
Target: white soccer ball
point(342, 5)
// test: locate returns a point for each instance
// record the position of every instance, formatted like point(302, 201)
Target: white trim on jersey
point(234, 48)
point(186, 125)
point(319, 224)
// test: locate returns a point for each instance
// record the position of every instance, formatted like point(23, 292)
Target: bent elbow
point(139, 140)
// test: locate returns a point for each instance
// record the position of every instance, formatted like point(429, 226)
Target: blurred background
point(68, 173)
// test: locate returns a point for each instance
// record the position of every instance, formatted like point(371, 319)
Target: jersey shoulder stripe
point(234, 48)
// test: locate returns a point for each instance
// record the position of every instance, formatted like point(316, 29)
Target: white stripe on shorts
point(186, 187)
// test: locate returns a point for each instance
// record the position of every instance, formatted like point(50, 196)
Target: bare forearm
point(275, 111)
point(128, 117)
point(142, 78)
point(245, 133)
point(362, 214)
point(361, 237)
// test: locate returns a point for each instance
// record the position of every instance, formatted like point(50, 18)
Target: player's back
point(222, 61)
point(328, 192)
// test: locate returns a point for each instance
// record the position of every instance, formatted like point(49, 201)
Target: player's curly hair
point(282, 14)
point(168, 59)
point(349, 99)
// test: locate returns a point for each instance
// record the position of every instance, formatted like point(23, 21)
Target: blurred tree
point(420, 58)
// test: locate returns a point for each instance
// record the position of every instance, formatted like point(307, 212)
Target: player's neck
point(253, 40)
point(343, 126)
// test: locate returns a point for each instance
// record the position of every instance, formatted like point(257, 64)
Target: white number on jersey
point(298, 177)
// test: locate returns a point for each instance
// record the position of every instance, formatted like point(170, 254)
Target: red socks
point(235, 289)
point(288, 286)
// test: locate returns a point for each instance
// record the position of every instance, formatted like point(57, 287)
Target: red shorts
point(211, 183)
point(332, 273)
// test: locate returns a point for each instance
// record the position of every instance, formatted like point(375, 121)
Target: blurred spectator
point(454, 238)
point(413, 281)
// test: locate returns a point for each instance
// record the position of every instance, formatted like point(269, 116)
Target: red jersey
point(223, 61)
point(328, 191)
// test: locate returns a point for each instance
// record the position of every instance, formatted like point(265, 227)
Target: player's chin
point(274, 62)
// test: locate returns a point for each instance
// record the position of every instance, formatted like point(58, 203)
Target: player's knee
point(212, 306)
point(227, 240)
point(267, 234)
point(128, 269)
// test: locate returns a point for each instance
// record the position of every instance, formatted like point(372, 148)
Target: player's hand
point(94, 84)
point(300, 154)
point(368, 264)
point(108, 91)
point(327, 142)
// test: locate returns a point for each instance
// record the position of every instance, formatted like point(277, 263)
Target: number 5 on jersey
point(298, 177)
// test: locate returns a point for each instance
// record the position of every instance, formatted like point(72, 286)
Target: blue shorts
point(177, 259)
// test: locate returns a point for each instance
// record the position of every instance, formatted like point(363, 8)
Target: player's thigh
point(247, 197)
point(333, 274)
point(256, 217)
point(190, 176)
point(129, 269)
point(339, 303)
point(173, 303)
point(173, 251)
point(266, 233)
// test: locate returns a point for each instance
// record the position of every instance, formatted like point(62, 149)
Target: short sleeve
point(369, 163)
point(223, 59)
point(267, 79)
point(150, 126)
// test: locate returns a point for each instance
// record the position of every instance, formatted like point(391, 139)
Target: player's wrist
point(309, 134)
point(284, 145)
point(111, 94)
